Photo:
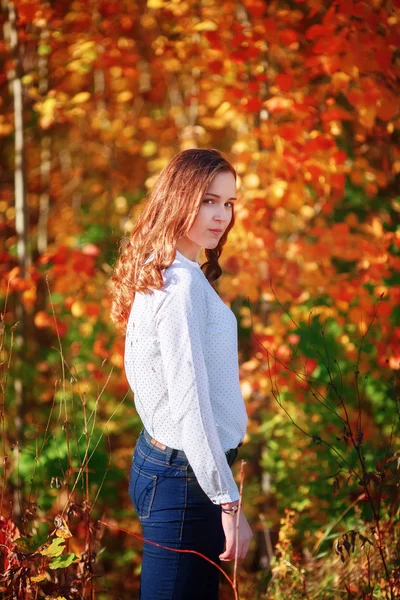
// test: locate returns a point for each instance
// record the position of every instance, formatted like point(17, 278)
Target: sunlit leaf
point(55, 548)
point(80, 98)
point(38, 578)
point(62, 529)
point(63, 561)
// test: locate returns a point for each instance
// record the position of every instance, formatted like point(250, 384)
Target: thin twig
point(242, 463)
point(173, 550)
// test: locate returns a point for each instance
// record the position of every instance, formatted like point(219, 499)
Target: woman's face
point(215, 213)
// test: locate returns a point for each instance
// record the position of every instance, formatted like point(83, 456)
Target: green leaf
point(57, 298)
point(44, 50)
point(55, 548)
point(25, 544)
point(94, 233)
point(62, 561)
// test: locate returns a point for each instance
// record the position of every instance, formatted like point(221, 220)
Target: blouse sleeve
point(181, 319)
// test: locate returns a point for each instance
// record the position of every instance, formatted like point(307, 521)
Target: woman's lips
point(216, 231)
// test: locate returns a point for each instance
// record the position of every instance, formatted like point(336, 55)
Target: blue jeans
point(175, 512)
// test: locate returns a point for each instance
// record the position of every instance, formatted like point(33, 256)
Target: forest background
point(303, 97)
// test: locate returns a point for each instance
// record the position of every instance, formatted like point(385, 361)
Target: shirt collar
point(186, 260)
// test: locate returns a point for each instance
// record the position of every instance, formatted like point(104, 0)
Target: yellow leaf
point(82, 48)
point(38, 578)
point(81, 97)
point(48, 106)
point(5, 129)
point(222, 109)
point(155, 3)
point(149, 148)
point(251, 181)
point(206, 26)
point(125, 96)
point(62, 530)
point(77, 309)
point(53, 549)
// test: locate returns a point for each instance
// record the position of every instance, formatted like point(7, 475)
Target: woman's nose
point(220, 215)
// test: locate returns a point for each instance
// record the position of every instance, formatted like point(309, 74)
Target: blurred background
point(96, 96)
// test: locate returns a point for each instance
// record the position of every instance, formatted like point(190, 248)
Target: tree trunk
point(45, 154)
point(23, 251)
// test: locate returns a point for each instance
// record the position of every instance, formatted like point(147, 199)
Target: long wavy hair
point(170, 211)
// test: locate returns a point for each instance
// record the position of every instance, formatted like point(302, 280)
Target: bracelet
point(231, 511)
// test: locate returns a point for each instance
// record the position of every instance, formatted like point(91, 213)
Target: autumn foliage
point(303, 95)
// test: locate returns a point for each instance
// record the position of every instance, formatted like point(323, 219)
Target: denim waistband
point(231, 453)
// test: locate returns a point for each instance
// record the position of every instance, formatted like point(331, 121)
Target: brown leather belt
point(163, 447)
point(158, 444)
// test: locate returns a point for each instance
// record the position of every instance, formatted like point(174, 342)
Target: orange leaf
point(388, 108)
point(42, 319)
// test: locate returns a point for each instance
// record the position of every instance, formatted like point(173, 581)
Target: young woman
point(181, 361)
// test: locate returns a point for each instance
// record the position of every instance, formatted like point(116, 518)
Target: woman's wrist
point(230, 505)
point(230, 508)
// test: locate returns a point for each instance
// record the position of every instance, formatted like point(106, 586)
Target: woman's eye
point(211, 200)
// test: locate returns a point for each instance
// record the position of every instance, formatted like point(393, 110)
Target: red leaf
point(284, 81)
point(338, 180)
point(92, 309)
point(254, 87)
point(253, 105)
point(255, 8)
point(318, 143)
point(339, 157)
point(310, 366)
point(235, 93)
point(317, 31)
point(384, 58)
point(60, 327)
point(253, 51)
point(329, 45)
point(336, 114)
point(238, 39)
point(270, 26)
point(288, 36)
point(290, 131)
point(26, 13)
point(213, 39)
point(216, 66)
point(314, 173)
point(238, 55)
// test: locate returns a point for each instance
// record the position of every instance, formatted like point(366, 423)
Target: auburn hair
point(170, 211)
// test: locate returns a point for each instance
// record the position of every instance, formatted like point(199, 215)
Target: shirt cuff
point(224, 497)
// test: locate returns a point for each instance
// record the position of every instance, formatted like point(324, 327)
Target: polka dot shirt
point(181, 362)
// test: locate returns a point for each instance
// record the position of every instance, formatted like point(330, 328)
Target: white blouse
point(181, 362)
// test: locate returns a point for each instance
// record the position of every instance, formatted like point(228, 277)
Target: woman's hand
point(244, 535)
